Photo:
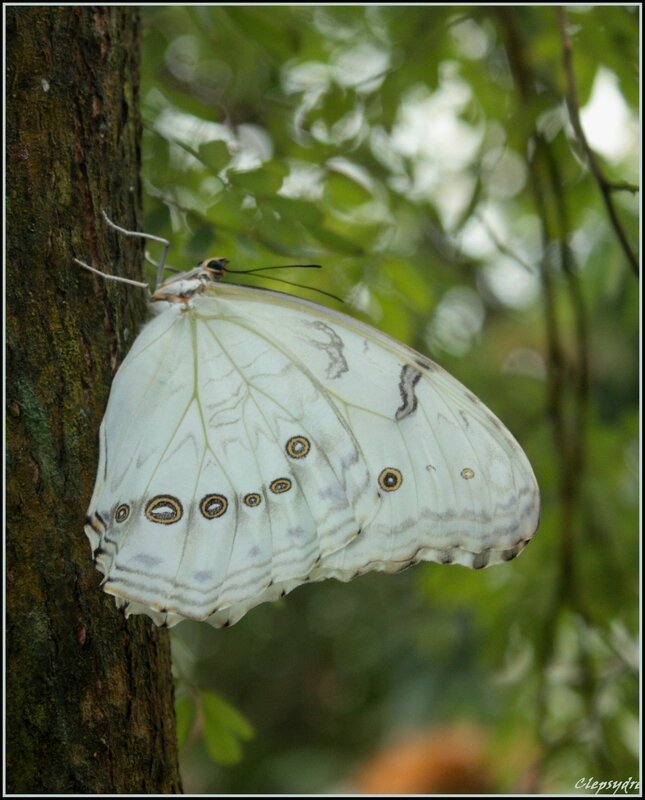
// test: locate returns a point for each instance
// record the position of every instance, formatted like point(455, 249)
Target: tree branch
point(605, 186)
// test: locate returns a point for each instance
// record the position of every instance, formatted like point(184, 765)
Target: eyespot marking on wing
point(164, 509)
point(390, 479)
point(298, 446)
point(280, 485)
point(213, 506)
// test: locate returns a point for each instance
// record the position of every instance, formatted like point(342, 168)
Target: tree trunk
point(89, 696)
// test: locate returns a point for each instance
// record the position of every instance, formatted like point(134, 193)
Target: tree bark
point(89, 695)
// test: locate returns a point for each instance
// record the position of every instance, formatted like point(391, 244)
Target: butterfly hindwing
point(240, 478)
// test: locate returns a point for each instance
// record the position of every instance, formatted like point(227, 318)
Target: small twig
point(623, 186)
point(504, 249)
point(605, 186)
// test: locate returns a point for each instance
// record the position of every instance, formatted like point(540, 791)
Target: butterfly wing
point(225, 473)
point(454, 485)
point(255, 441)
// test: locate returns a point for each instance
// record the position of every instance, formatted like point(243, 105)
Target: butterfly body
point(254, 441)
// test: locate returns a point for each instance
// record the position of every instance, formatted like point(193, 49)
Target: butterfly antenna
point(277, 266)
point(309, 288)
point(282, 280)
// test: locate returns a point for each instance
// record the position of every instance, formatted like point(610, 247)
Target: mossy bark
point(89, 695)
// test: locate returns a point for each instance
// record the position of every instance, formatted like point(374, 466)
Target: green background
point(425, 157)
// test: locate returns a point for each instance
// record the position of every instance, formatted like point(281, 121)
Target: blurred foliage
point(425, 156)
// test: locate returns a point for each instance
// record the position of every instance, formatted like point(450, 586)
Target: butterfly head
point(214, 267)
point(182, 287)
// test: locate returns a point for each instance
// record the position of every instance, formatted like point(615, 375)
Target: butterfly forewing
point(465, 491)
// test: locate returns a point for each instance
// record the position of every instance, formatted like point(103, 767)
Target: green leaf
point(264, 181)
point(335, 242)
point(157, 218)
point(292, 210)
point(336, 102)
point(344, 192)
point(198, 246)
point(227, 211)
point(267, 30)
point(224, 728)
point(215, 155)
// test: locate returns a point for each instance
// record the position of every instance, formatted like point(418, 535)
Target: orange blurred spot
point(450, 760)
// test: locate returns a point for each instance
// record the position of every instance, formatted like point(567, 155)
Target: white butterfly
point(254, 441)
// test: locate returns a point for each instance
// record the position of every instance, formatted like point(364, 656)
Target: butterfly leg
point(117, 278)
point(166, 267)
point(166, 244)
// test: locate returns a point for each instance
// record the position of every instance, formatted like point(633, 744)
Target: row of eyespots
point(166, 509)
point(390, 478)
